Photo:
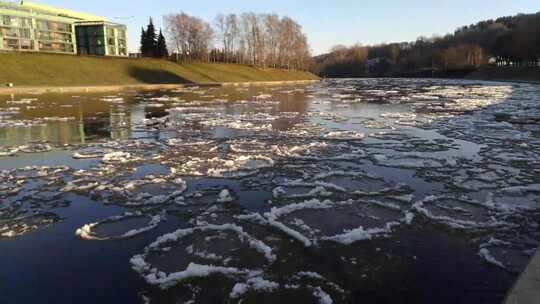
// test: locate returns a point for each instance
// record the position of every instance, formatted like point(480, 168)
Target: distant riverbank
point(29, 70)
point(502, 74)
point(140, 87)
point(487, 73)
point(529, 75)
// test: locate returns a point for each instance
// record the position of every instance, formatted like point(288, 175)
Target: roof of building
point(30, 7)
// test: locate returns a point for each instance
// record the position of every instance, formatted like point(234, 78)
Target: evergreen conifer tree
point(143, 48)
point(151, 40)
point(162, 51)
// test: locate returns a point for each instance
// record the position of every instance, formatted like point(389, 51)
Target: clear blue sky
point(326, 22)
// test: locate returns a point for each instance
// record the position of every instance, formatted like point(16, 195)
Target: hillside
point(29, 69)
point(506, 43)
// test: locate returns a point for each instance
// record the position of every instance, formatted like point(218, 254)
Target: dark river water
point(345, 191)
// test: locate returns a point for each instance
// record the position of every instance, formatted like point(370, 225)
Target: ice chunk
point(117, 157)
point(256, 284)
point(361, 234)
point(344, 135)
point(225, 196)
point(486, 255)
point(322, 296)
point(87, 231)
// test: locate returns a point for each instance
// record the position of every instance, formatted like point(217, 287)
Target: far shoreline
point(139, 87)
point(517, 81)
point(37, 90)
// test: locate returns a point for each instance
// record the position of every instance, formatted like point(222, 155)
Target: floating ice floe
point(8, 151)
point(362, 234)
point(249, 146)
point(205, 198)
point(253, 284)
point(308, 151)
point(79, 185)
point(344, 135)
point(458, 213)
point(118, 157)
point(232, 167)
point(409, 162)
point(159, 191)
point(260, 285)
point(123, 222)
point(512, 255)
point(24, 101)
point(307, 222)
point(35, 148)
point(24, 225)
point(506, 202)
point(359, 183)
point(154, 276)
point(90, 152)
point(329, 116)
point(57, 119)
point(113, 99)
point(225, 196)
point(154, 105)
point(486, 255)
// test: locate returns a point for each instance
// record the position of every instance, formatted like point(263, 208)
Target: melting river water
point(349, 191)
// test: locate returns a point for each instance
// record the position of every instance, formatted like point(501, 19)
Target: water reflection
point(62, 119)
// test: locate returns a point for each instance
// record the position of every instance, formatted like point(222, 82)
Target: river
point(344, 191)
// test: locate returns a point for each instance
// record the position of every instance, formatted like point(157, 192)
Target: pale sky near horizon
point(326, 23)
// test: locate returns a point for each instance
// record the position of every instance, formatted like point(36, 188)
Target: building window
point(55, 47)
point(54, 36)
point(110, 32)
point(8, 21)
point(24, 33)
point(53, 26)
point(15, 21)
point(111, 50)
point(90, 40)
point(27, 44)
point(11, 32)
point(12, 44)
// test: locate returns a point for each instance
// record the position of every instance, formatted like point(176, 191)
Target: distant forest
point(505, 42)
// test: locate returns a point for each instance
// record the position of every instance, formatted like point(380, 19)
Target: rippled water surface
point(349, 191)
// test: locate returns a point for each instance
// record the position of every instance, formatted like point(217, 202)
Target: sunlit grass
point(25, 69)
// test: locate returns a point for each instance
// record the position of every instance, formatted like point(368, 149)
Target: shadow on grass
point(156, 76)
point(195, 71)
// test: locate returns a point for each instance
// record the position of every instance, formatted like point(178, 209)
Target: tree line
point(153, 44)
point(508, 41)
point(266, 40)
point(263, 40)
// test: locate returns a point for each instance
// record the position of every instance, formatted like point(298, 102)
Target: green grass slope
point(30, 69)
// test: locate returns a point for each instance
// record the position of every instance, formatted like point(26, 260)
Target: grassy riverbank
point(506, 74)
point(39, 70)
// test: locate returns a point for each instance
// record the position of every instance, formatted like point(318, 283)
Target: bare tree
point(221, 32)
point(272, 32)
point(232, 34)
point(192, 36)
point(263, 40)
